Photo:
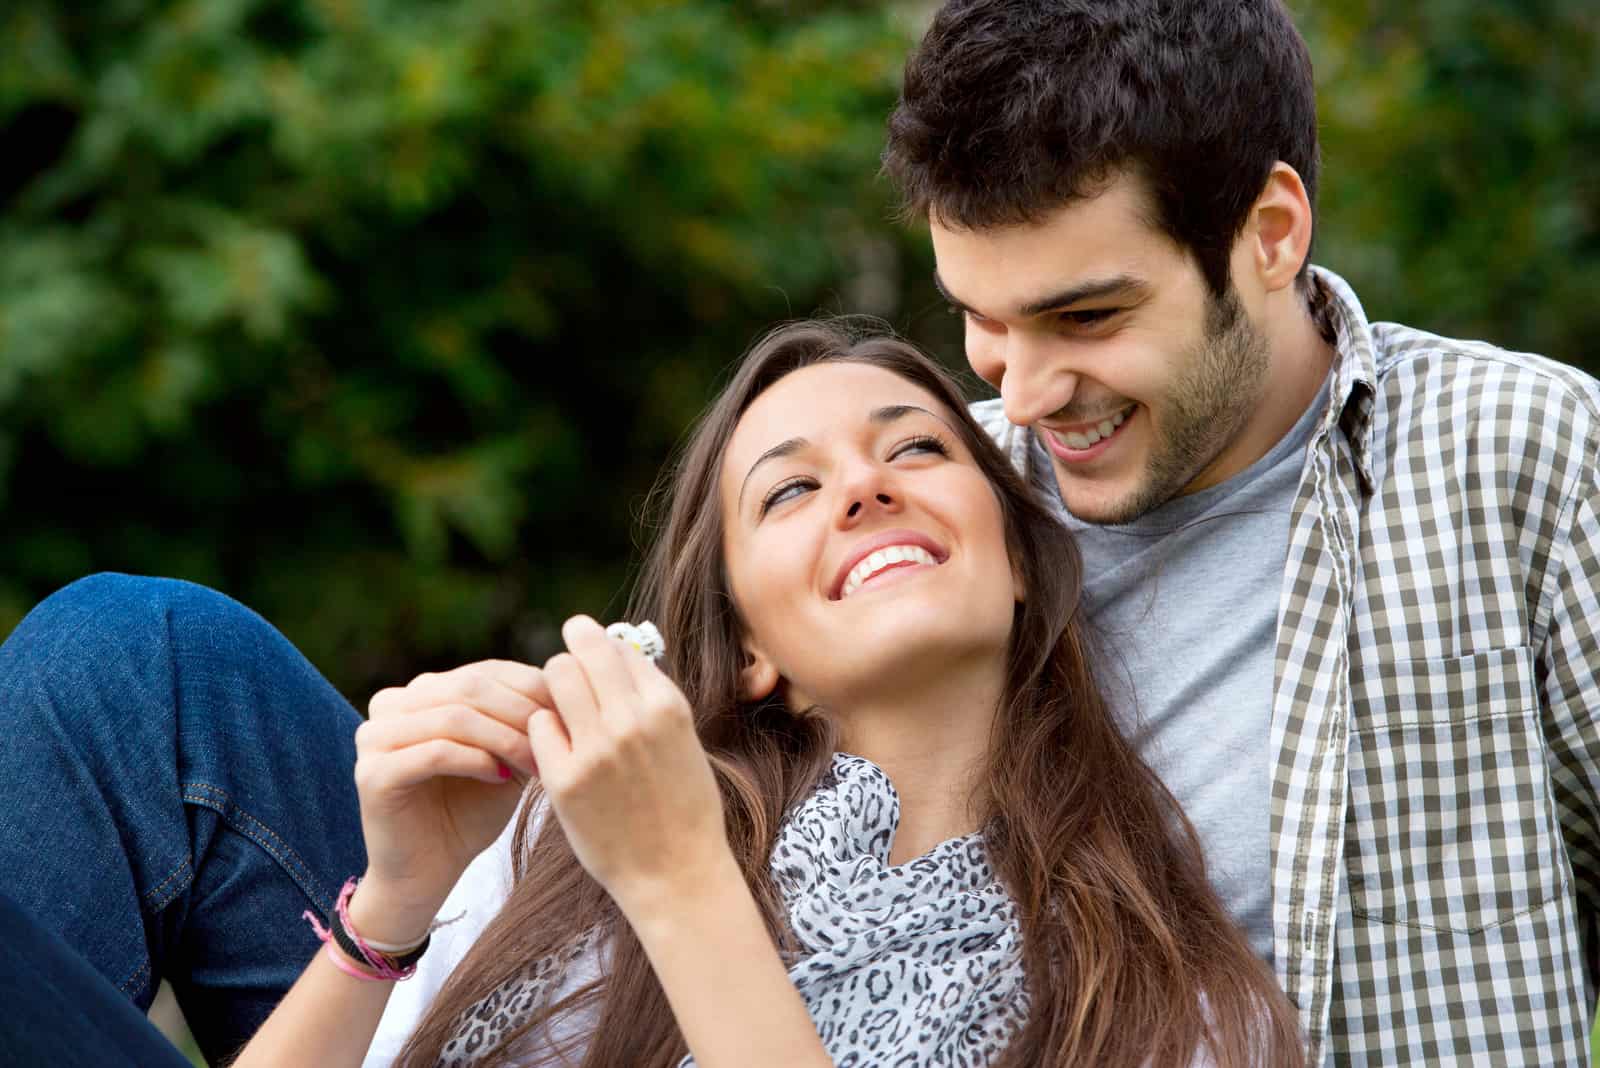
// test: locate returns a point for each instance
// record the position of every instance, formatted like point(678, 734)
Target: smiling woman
point(929, 843)
point(869, 808)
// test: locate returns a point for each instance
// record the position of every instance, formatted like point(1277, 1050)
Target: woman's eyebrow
point(889, 413)
point(777, 452)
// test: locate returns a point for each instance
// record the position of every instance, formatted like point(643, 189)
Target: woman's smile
point(873, 559)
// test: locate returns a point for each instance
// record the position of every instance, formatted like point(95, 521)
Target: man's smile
point(1087, 441)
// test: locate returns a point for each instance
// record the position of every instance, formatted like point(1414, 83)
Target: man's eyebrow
point(1116, 285)
point(938, 283)
point(887, 414)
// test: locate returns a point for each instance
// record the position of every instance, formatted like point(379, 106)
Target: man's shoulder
point(1432, 385)
point(1411, 359)
point(990, 415)
point(1013, 440)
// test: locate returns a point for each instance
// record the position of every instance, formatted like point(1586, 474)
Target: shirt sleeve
point(1569, 677)
point(477, 897)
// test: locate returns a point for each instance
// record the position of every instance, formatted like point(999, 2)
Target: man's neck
point(1300, 360)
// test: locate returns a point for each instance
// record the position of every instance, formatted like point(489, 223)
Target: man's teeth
point(881, 559)
point(1095, 435)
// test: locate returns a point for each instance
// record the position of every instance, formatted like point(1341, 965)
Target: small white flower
point(642, 636)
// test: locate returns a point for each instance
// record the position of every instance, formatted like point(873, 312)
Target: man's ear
point(759, 676)
point(1281, 223)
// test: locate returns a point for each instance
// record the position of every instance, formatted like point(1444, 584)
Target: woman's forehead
point(819, 402)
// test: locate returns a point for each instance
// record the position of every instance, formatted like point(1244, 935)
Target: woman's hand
point(625, 772)
point(434, 767)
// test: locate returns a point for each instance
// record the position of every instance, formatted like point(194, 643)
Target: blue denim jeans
point(175, 790)
point(62, 1013)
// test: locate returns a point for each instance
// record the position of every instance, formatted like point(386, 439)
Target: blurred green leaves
point(381, 315)
point(1461, 144)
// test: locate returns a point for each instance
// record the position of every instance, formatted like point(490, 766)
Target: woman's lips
point(877, 543)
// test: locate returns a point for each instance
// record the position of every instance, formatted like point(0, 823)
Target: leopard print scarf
point(916, 965)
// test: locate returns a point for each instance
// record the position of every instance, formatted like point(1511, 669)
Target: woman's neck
point(933, 743)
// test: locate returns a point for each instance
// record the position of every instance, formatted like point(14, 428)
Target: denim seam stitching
point(127, 985)
point(259, 833)
point(151, 896)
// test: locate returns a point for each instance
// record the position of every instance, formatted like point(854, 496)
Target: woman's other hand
point(439, 768)
point(625, 772)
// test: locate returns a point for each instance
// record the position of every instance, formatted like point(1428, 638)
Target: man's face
point(1101, 335)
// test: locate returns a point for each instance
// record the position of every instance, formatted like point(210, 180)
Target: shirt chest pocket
point(1451, 825)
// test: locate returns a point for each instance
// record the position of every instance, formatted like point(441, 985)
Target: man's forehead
point(1106, 236)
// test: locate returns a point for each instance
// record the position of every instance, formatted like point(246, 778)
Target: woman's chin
point(906, 646)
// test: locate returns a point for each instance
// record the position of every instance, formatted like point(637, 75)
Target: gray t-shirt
point(1184, 602)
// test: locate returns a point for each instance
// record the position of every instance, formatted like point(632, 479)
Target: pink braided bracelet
point(384, 967)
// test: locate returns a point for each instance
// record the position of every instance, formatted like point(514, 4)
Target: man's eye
point(782, 492)
point(1091, 317)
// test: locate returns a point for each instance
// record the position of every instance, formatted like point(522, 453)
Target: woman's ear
point(759, 676)
point(1019, 586)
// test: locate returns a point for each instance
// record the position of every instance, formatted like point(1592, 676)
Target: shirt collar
point(1355, 367)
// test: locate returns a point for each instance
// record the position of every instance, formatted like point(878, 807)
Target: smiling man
point(1345, 573)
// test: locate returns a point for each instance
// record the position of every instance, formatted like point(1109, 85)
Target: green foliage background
point(381, 315)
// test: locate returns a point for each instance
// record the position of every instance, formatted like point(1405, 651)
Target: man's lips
point(1070, 443)
point(867, 546)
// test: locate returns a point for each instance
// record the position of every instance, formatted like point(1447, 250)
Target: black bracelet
point(398, 963)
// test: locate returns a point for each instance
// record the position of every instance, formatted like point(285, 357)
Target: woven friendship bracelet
point(340, 932)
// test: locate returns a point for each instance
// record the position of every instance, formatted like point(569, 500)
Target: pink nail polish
point(505, 773)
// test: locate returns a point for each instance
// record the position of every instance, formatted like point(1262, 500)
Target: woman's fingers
point(574, 702)
point(495, 687)
point(523, 678)
point(607, 673)
point(551, 747)
point(659, 699)
point(426, 760)
point(459, 723)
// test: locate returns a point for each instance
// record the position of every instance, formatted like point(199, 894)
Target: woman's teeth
point(1096, 434)
point(881, 560)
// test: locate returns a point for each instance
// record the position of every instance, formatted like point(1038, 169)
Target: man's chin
point(1110, 502)
point(1103, 503)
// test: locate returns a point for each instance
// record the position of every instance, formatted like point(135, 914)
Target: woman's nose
point(867, 489)
point(859, 506)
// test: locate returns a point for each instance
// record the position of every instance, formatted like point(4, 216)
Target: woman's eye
point(784, 491)
point(921, 443)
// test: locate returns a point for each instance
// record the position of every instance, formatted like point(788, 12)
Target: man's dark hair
point(1012, 108)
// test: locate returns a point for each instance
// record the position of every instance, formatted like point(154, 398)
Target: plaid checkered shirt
point(1435, 805)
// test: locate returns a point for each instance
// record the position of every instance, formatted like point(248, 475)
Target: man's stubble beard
point(1222, 383)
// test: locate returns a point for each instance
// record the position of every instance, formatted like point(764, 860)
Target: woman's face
point(862, 540)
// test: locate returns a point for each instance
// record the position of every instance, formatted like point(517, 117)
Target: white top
point(478, 895)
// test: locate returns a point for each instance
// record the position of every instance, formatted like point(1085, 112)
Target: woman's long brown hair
point(1129, 957)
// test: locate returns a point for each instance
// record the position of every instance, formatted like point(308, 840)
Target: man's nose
point(1033, 383)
